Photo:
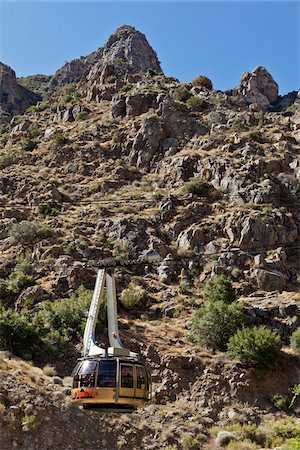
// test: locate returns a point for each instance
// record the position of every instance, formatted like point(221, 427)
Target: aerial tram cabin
point(112, 379)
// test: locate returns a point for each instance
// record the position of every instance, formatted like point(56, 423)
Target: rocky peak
point(14, 99)
point(258, 87)
point(126, 51)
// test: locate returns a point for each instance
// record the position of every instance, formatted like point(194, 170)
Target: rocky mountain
point(14, 98)
point(121, 158)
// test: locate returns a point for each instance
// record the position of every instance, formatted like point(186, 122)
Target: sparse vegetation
point(28, 232)
point(132, 296)
point(29, 423)
point(21, 277)
point(47, 210)
point(122, 248)
point(82, 115)
point(28, 145)
point(182, 94)
point(126, 88)
point(60, 139)
point(256, 346)
point(196, 186)
point(49, 370)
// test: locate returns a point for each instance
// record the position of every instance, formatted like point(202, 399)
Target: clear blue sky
point(219, 39)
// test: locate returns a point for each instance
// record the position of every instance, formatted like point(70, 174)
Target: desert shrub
point(47, 210)
point(213, 324)
point(27, 232)
point(28, 145)
point(256, 136)
point(60, 140)
point(49, 370)
point(256, 346)
point(82, 115)
point(3, 139)
point(281, 401)
point(281, 430)
point(70, 88)
point(219, 288)
point(29, 423)
point(8, 158)
point(17, 333)
point(157, 195)
point(122, 248)
point(246, 444)
point(196, 103)
point(202, 81)
point(295, 340)
point(20, 277)
point(189, 441)
point(196, 186)
point(68, 316)
point(182, 94)
point(126, 88)
point(132, 296)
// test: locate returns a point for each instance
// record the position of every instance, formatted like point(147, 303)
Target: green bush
point(122, 248)
point(60, 140)
point(82, 115)
point(256, 136)
point(28, 145)
point(17, 334)
point(126, 88)
point(29, 423)
point(281, 430)
point(68, 316)
point(182, 94)
point(281, 401)
point(47, 210)
point(295, 340)
point(20, 277)
point(28, 232)
point(196, 186)
point(213, 324)
point(202, 81)
point(256, 346)
point(196, 103)
point(132, 296)
point(219, 288)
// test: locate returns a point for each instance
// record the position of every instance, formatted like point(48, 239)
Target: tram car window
point(107, 374)
point(86, 374)
point(126, 376)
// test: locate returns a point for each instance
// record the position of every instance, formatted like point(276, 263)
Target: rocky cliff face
point(14, 99)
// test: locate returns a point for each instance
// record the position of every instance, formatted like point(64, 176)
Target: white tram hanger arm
point(90, 348)
point(89, 341)
point(107, 277)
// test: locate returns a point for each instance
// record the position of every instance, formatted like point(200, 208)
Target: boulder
point(258, 87)
point(269, 280)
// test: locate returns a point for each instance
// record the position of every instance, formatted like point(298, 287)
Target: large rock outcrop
point(126, 51)
point(258, 87)
point(14, 99)
point(75, 70)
